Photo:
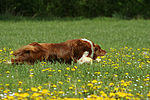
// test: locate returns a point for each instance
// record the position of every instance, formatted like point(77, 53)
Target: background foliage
point(76, 8)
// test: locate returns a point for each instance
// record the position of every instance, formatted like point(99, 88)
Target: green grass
point(125, 70)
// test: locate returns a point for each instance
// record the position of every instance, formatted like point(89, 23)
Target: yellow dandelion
point(35, 95)
point(93, 96)
point(43, 70)
point(121, 94)
point(7, 72)
point(148, 94)
point(31, 70)
point(126, 73)
point(54, 86)
point(122, 81)
point(138, 49)
point(80, 93)
point(6, 84)
point(73, 69)
point(59, 70)
point(49, 75)
point(34, 89)
point(27, 89)
point(94, 81)
point(45, 91)
point(39, 87)
point(31, 75)
point(68, 68)
point(20, 82)
point(19, 89)
point(70, 88)
point(116, 89)
point(17, 94)
point(115, 75)
point(79, 80)
point(90, 84)
point(85, 91)
point(111, 84)
point(24, 95)
point(112, 94)
point(61, 92)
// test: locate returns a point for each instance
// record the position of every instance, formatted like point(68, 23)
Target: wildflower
point(54, 86)
point(24, 95)
point(148, 94)
point(59, 70)
point(17, 94)
point(129, 63)
point(6, 91)
point(54, 97)
point(80, 71)
point(60, 82)
point(61, 92)
point(106, 88)
point(67, 68)
point(111, 94)
point(85, 91)
point(90, 84)
point(20, 82)
point(116, 89)
point(79, 80)
point(138, 49)
point(19, 89)
point(115, 75)
point(27, 89)
point(121, 94)
point(70, 88)
point(43, 70)
point(94, 81)
point(34, 89)
point(126, 73)
point(6, 84)
point(45, 91)
point(80, 93)
point(122, 81)
point(49, 75)
point(7, 72)
point(93, 96)
point(31, 75)
point(111, 84)
point(129, 90)
point(73, 69)
point(35, 95)
point(39, 87)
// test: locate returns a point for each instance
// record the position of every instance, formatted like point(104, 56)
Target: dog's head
point(98, 51)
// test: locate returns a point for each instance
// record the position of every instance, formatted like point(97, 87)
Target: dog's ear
point(76, 43)
point(35, 47)
point(96, 47)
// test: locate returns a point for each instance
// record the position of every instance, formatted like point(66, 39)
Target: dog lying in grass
point(77, 50)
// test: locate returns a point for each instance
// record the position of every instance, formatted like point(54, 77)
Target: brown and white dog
point(76, 50)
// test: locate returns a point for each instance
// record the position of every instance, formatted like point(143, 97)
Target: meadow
point(122, 74)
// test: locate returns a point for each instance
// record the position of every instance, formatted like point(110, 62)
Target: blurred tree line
point(76, 8)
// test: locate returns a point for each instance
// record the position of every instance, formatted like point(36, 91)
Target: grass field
point(124, 73)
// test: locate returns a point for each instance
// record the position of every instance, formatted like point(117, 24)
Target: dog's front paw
point(8, 62)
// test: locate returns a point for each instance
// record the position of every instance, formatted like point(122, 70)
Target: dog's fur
point(71, 50)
